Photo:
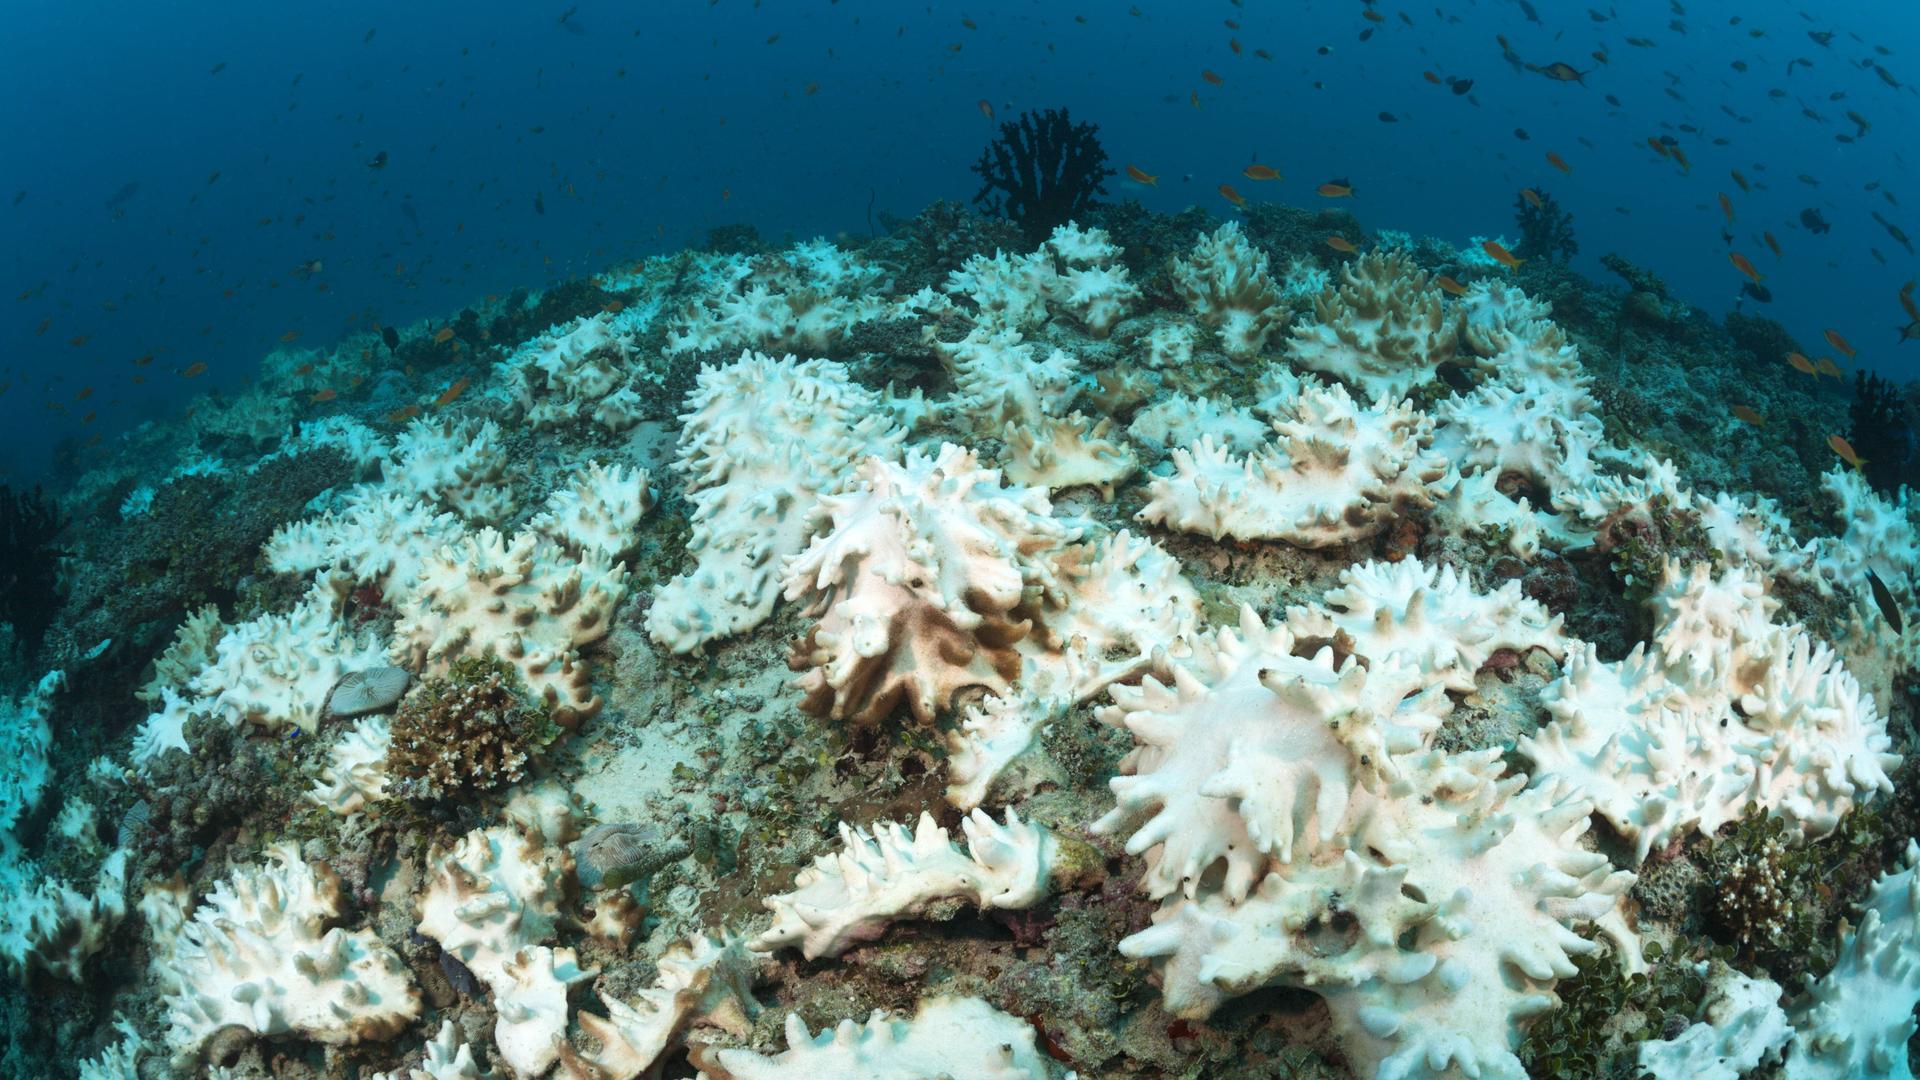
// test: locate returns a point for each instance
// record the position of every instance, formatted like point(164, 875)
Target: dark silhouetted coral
point(29, 569)
point(474, 730)
point(1044, 170)
point(1878, 430)
point(1546, 230)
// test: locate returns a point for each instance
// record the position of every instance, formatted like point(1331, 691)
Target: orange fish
point(1341, 244)
point(77, 340)
point(42, 328)
point(1741, 264)
point(1680, 156)
point(1559, 162)
point(1334, 189)
point(144, 360)
point(1373, 16)
point(1501, 255)
point(1431, 77)
point(1834, 339)
point(1826, 366)
point(1194, 97)
point(451, 393)
point(1741, 412)
point(613, 307)
point(443, 335)
point(289, 337)
point(398, 415)
point(1742, 181)
point(304, 369)
point(1772, 243)
point(1907, 304)
point(726, 193)
point(139, 380)
point(1802, 364)
point(1450, 286)
point(1234, 44)
point(324, 395)
point(1260, 172)
point(1658, 146)
point(1845, 450)
point(88, 419)
point(198, 367)
point(986, 108)
point(1140, 176)
point(1726, 207)
point(1532, 197)
point(1232, 196)
point(1212, 78)
point(85, 393)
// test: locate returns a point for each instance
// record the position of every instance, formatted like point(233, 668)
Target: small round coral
point(474, 730)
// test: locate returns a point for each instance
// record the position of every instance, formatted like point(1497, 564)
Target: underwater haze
point(177, 168)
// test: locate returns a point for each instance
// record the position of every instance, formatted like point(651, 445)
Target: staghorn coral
point(1338, 472)
point(471, 730)
point(764, 440)
point(1384, 328)
point(1225, 281)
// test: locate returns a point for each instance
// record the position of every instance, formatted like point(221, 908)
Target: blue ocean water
point(196, 182)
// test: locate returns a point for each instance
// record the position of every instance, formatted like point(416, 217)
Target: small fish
point(1845, 450)
point(1521, 134)
point(304, 369)
point(1907, 303)
point(1212, 78)
point(1741, 264)
point(1388, 118)
point(325, 395)
point(1193, 98)
point(1450, 286)
point(391, 338)
point(1260, 172)
point(1373, 16)
point(1826, 366)
point(143, 361)
point(402, 415)
point(1742, 181)
point(1501, 255)
point(1140, 176)
point(1834, 339)
point(378, 161)
point(1335, 189)
point(198, 367)
point(1883, 599)
point(1558, 162)
point(289, 337)
point(1341, 244)
point(1232, 196)
point(1772, 243)
point(1726, 207)
point(1560, 71)
point(443, 335)
point(77, 340)
point(1431, 77)
point(1802, 364)
point(85, 393)
point(986, 108)
point(1747, 415)
point(1532, 197)
point(451, 393)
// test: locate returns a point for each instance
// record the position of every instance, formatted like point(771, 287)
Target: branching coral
point(469, 731)
point(850, 896)
point(275, 671)
point(574, 373)
point(598, 511)
point(1226, 282)
point(764, 440)
point(807, 298)
point(1338, 472)
point(258, 955)
point(1385, 329)
point(1077, 273)
point(1042, 172)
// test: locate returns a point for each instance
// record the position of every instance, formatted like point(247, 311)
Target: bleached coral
point(275, 671)
point(524, 599)
point(190, 650)
point(1254, 752)
point(120, 1060)
point(1384, 328)
point(493, 894)
point(1181, 420)
point(48, 925)
point(763, 441)
point(376, 535)
point(1226, 282)
point(957, 1037)
point(361, 445)
point(1741, 1025)
point(25, 738)
point(566, 375)
point(1546, 430)
point(1072, 451)
point(258, 955)
point(807, 298)
point(448, 1057)
point(1077, 273)
point(1338, 472)
point(1474, 506)
point(356, 772)
point(705, 982)
point(598, 511)
point(1430, 619)
point(458, 463)
point(850, 896)
point(1858, 1018)
point(916, 585)
point(530, 1002)
point(999, 380)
